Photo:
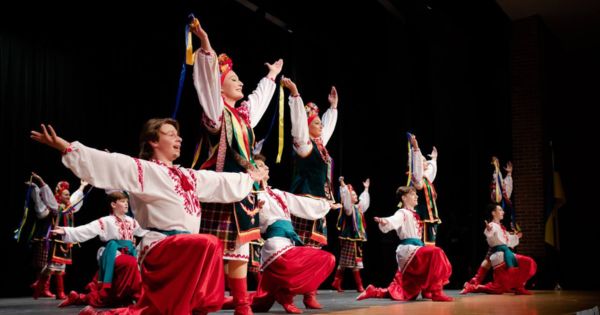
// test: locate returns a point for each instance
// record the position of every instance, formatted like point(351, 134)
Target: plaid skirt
point(218, 219)
point(351, 254)
point(40, 254)
point(305, 230)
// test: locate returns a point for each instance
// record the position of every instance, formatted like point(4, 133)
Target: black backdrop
point(437, 70)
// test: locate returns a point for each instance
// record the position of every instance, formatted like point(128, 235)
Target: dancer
point(181, 272)
point(56, 210)
point(511, 271)
point(352, 227)
point(312, 165)
point(232, 138)
point(118, 282)
point(421, 268)
point(423, 174)
point(501, 191)
point(288, 269)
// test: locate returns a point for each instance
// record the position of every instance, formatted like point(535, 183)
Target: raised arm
point(345, 197)
point(302, 143)
point(259, 99)
point(364, 200)
point(41, 210)
point(496, 192)
point(207, 80)
point(77, 196)
point(508, 180)
point(431, 170)
point(417, 167)
point(329, 118)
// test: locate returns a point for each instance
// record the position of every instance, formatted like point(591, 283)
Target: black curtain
point(436, 71)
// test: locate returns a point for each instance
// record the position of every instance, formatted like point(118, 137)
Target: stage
point(542, 302)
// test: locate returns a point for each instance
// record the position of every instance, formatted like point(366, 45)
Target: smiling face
point(410, 200)
point(353, 196)
point(168, 146)
point(315, 128)
point(231, 88)
point(65, 196)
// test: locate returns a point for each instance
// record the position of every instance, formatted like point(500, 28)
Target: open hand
point(48, 137)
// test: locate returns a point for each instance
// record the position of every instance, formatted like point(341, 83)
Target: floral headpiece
point(225, 65)
point(312, 111)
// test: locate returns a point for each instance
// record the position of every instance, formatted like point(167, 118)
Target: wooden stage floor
point(541, 303)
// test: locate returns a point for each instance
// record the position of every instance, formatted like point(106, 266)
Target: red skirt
point(181, 274)
point(299, 270)
point(429, 270)
point(125, 288)
point(508, 279)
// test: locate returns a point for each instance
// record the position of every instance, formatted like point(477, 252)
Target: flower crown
point(312, 111)
point(225, 65)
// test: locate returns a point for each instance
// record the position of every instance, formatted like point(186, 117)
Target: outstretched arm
point(81, 233)
point(302, 143)
point(207, 80)
point(329, 119)
point(101, 169)
point(365, 198)
point(417, 167)
point(260, 98)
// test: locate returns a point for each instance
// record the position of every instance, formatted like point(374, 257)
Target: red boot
point(373, 292)
point(439, 296)
point(60, 287)
point(337, 281)
point(310, 300)
point(287, 301)
point(46, 291)
point(358, 280)
point(41, 285)
point(73, 298)
point(479, 276)
point(426, 294)
point(469, 288)
point(241, 301)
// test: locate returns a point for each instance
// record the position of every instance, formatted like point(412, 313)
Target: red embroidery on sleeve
point(140, 173)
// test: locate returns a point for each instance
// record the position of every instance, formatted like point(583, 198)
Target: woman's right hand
point(290, 85)
point(50, 138)
point(197, 29)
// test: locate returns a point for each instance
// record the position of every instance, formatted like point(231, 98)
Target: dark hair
point(115, 196)
point(404, 190)
point(150, 132)
point(259, 157)
point(489, 208)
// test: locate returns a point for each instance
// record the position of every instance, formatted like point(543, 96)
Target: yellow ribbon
point(189, 51)
point(280, 147)
point(197, 153)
